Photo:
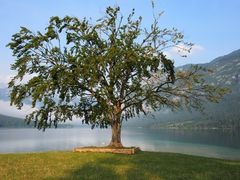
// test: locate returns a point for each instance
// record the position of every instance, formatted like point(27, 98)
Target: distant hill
point(12, 122)
point(226, 114)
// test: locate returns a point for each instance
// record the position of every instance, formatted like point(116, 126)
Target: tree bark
point(116, 134)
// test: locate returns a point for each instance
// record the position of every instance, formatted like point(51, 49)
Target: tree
point(103, 73)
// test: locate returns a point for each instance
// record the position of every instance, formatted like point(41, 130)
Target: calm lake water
point(210, 143)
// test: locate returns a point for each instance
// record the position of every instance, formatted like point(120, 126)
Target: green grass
point(143, 165)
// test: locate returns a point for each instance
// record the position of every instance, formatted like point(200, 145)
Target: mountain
point(12, 122)
point(226, 71)
point(226, 114)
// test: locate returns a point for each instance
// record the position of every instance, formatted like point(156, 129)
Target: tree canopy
point(103, 72)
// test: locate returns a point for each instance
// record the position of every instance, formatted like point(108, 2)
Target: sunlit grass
point(143, 165)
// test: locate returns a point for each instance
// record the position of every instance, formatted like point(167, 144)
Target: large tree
point(102, 73)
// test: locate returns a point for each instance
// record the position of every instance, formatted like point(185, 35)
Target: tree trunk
point(116, 134)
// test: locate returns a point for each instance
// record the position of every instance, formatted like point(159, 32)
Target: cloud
point(4, 79)
point(8, 110)
point(196, 49)
point(181, 50)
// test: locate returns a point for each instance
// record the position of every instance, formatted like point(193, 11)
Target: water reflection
point(205, 143)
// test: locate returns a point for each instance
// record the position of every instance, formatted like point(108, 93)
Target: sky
point(212, 25)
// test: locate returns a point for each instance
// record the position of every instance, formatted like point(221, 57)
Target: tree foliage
point(102, 72)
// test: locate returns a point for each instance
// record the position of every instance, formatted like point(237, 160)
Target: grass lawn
point(143, 165)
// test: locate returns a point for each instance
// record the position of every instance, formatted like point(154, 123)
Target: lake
point(209, 143)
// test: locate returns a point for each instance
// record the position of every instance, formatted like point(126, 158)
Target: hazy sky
point(212, 25)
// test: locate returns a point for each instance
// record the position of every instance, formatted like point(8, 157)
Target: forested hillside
point(12, 122)
point(226, 114)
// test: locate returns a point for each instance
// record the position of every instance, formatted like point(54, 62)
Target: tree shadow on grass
point(146, 165)
point(112, 166)
point(92, 171)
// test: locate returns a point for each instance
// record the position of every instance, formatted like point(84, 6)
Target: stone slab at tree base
point(124, 150)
